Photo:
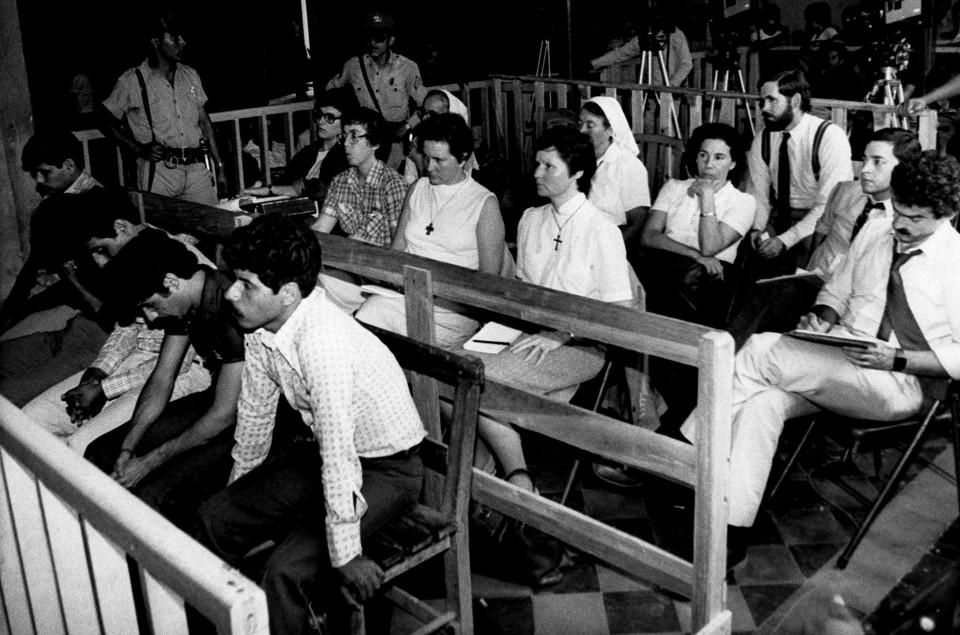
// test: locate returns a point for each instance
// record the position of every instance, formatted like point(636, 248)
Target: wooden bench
point(438, 525)
point(703, 466)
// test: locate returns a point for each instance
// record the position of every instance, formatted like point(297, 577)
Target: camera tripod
point(892, 90)
point(653, 44)
point(730, 66)
point(544, 68)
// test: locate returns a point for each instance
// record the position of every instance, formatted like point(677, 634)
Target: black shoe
point(618, 475)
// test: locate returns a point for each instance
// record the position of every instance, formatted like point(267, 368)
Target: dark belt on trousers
point(399, 456)
point(182, 156)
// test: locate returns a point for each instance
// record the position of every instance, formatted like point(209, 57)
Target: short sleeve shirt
point(174, 109)
point(619, 184)
point(734, 208)
point(212, 327)
point(394, 85)
point(368, 209)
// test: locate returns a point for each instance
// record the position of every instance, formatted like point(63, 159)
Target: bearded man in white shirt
point(897, 287)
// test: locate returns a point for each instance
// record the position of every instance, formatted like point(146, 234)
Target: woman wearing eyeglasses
point(312, 169)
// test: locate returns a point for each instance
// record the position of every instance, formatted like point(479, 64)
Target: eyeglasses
point(352, 138)
point(328, 117)
point(379, 38)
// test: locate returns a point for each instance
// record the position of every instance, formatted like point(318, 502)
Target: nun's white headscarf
point(619, 128)
point(457, 107)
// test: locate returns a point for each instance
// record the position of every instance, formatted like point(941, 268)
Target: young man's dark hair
point(450, 129)
point(928, 180)
point(159, 21)
point(790, 83)
point(101, 208)
point(52, 147)
point(905, 143)
point(372, 122)
point(574, 148)
point(278, 250)
point(138, 271)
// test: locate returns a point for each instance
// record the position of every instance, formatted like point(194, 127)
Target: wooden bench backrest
point(448, 452)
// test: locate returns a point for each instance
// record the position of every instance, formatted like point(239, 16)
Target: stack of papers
point(800, 274)
point(492, 338)
point(832, 339)
point(374, 289)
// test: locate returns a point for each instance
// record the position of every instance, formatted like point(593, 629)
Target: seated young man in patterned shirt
point(359, 465)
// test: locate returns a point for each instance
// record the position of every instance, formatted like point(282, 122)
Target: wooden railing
point(71, 539)
point(701, 75)
point(522, 104)
point(508, 113)
point(703, 466)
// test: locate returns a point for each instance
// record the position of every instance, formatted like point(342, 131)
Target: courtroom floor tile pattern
point(795, 535)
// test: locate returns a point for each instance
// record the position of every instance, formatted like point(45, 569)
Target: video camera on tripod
point(727, 32)
point(731, 23)
point(893, 52)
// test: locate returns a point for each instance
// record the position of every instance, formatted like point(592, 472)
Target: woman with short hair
point(694, 228)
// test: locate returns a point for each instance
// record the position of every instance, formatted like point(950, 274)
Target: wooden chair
point(429, 530)
point(662, 156)
point(855, 433)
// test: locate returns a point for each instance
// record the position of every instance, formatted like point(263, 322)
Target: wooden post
point(500, 117)
point(418, 292)
point(927, 129)
point(713, 459)
point(265, 151)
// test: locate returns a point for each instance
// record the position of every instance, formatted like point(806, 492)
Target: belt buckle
point(177, 156)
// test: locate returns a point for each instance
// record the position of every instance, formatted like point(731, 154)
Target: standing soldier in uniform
point(162, 100)
point(386, 82)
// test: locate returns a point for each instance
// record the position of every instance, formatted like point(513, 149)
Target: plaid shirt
point(367, 209)
point(123, 341)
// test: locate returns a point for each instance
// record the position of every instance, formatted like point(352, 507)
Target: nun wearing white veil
point(619, 186)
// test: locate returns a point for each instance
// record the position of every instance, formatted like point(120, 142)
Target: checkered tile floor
point(796, 534)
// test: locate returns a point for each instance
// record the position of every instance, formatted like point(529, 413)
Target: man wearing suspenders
point(163, 101)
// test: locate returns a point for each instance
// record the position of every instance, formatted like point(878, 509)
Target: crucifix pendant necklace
point(438, 207)
point(553, 215)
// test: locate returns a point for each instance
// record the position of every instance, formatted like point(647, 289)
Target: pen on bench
point(490, 342)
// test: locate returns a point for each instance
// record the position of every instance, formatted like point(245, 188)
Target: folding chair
point(858, 432)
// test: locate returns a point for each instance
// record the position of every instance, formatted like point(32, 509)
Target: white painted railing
point(72, 540)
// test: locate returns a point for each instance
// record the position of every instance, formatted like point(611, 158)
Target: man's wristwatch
point(899, 360)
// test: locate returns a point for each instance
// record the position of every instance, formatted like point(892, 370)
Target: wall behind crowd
point(247, 56)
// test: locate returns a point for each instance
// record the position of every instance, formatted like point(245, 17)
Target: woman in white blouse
point(619, 186)
point(694, 228)
point(567, 245)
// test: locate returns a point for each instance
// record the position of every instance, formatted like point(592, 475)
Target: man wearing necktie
point(897, 286)
point(777, 306)
point(790, 184)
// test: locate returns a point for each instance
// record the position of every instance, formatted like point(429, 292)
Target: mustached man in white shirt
point(897, 286)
